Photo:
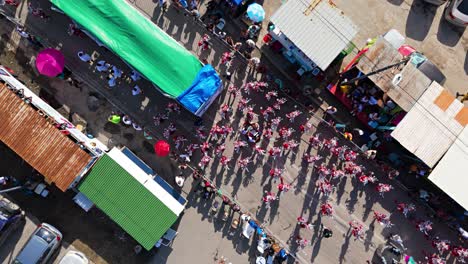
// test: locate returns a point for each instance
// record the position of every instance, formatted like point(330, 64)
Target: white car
point(41, 245)
point(456, 12)
point(74, 257)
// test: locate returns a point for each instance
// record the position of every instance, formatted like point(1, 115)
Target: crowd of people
point(266, 125)
point(366, 99)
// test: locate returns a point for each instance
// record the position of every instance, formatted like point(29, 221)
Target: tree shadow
point(419, 20)
point(449, 34)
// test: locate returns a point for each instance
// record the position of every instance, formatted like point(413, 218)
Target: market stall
point(125, 189)
point(295, 30)
point(147, 49)
point(42, 137)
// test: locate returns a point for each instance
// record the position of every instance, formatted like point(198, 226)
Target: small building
point(436, 131)
point(123, 187)
point(312, 32)
point(28, 126)
point(413, 83)
point(432, 125)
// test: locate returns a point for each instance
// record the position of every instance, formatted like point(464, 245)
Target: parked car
point(40, 246)
point(74, 257)
point(11, 216)
point(436, 2)
point(456, 12)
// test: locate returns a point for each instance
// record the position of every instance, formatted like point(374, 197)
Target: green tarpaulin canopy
point(136, 40)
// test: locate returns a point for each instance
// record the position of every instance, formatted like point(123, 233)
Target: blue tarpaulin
point(206, 84)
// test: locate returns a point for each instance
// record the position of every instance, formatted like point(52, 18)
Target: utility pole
point(375, 72)
point(11, 189)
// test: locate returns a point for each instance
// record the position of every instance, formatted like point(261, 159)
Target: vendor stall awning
point(130, 197)
point(321, 32)
point(148, 49)
point(413, 82)
point(432, 125)
point(450, 174)
point(38, 142)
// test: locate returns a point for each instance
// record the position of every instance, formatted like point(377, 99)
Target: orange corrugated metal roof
point(444, 100)
point(462, 116)
point(38, 142)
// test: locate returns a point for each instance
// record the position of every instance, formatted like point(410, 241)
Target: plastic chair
point(169, 237)
point(315, 71)
point(221, 24)
point(279, 83)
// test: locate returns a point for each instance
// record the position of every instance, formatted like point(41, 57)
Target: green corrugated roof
point(127, 202)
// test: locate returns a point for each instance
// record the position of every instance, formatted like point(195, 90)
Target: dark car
point(11, 216)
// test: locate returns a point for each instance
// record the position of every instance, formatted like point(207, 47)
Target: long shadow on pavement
point(344, 247)
point(449, 34)
point(419, 20)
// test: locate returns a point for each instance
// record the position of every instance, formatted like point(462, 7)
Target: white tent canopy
point(450, 174)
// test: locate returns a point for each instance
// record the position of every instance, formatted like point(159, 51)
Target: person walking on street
point(102, 66)
point(253, 63)
point(250, 43)
point(163, 5)
point(327, 232)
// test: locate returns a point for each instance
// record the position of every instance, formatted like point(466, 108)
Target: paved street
point(199, 239)
point(17, 240)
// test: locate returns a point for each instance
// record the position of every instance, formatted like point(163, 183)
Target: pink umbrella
point(50, 62)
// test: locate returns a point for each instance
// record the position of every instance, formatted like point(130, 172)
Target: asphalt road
point(350, 200)
point(17, 239)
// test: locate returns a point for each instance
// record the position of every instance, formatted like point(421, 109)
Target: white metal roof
point(321, 35)
point(146, 180)
point(450, 174)
point(430, 127)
